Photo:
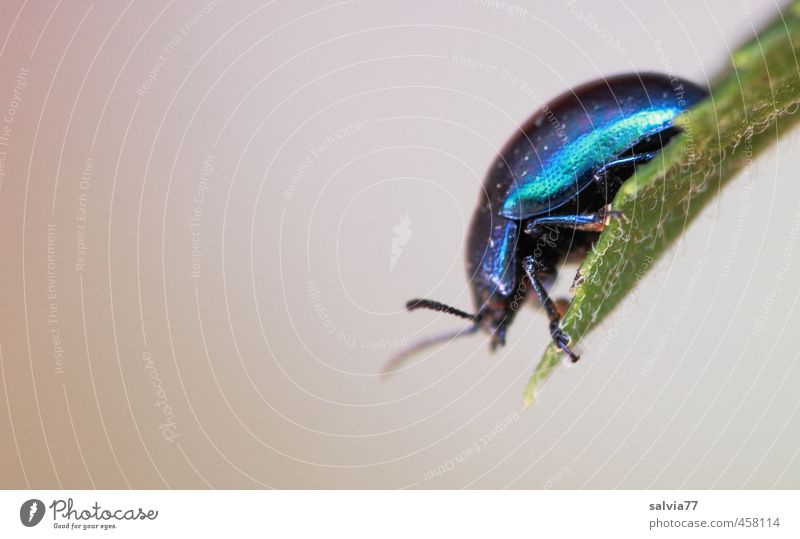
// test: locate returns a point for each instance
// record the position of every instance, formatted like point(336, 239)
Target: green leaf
point(751, 104)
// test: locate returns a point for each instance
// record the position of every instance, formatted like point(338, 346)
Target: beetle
point(547, 196)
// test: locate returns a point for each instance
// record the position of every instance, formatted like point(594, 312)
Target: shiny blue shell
point(554, 157)
point(572, 138)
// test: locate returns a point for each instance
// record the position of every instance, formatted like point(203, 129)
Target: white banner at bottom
point(354, 514)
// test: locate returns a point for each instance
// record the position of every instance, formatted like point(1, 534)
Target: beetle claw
point(562, 341)
point(615, 214)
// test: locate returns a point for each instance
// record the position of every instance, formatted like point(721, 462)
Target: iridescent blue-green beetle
point(546, 198)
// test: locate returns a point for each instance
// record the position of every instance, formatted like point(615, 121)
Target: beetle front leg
point(590, 222)
point(562, 341)
point(619, 166)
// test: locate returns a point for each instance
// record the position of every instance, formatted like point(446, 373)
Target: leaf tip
point(550, 360)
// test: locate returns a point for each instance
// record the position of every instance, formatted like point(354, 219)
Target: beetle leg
point(562, 341)
point(621, 162)
point(591, 222)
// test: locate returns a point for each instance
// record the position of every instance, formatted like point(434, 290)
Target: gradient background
point(298, 135)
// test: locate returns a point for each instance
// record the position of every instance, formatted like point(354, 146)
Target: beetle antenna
point(425, 343)
point(419, 303)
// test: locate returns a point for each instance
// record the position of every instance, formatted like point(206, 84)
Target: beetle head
point(494, 318)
